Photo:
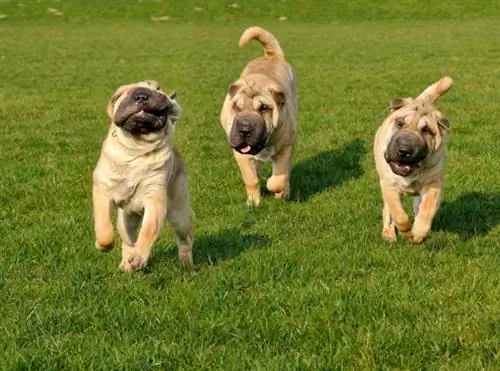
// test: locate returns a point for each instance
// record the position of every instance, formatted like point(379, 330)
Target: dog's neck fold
point(129, 147)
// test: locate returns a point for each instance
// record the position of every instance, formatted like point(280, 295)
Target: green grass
point(304, 284)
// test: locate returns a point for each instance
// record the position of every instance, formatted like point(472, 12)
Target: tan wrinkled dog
point(142, 174)
point(259, 116)
point(409, 157)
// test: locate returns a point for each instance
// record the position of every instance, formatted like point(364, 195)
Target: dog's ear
point(153, 84)
point(278, 97)
point(397, 103)
point(172, 95)
point(434, 91)
point(233, 89)
point(444, 123)
point(116, 95)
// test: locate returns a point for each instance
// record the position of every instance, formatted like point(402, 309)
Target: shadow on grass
point(326, 170)
point(212, 249)
point(226, 244)
point(472, 214)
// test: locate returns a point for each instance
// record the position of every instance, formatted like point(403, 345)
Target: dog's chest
point(124, 192)
point(409, 187)
point(128, 186)
point(266, 154)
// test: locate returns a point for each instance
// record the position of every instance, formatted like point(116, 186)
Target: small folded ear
point(233, 89)
point(116, 95)
point(278, 97)
point(397, 103)
point(444, 123)
point(434, 91)
point(153, 84)
point(172, 95)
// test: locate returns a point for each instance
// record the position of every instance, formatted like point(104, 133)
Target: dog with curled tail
point(409, 154)
point(259, 116)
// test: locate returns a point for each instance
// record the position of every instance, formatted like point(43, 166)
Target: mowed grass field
point(302, 284)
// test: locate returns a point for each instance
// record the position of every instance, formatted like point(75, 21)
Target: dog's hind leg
point(416, 204)
point(179, 216)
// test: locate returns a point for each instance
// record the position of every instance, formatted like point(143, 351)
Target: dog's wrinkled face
point(255, 114)
point(417, 130)
point(142, 109)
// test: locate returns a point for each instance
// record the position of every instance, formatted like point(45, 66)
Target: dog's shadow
point(472, 214)
point(327, 169)
point(213, 249)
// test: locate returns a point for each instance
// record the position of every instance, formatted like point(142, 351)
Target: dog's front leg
point(431, 198)
point(102, 220)
point(152, 223)
point(388, 227)
point(392, 204)
point(250, 174)
point(279, 182)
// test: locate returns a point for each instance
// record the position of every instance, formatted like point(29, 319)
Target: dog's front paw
point(389, 234)
point(417, 239)
point(406, 233)
point(253, 200)
point(420, 231)
point(104, 237)
point(132, 262)
point(283, 195)
point(278, 185)
point(104, 248)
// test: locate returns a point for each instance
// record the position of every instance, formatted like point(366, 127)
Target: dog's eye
point(425, 129)
point(236, 108)
point(264, 108)
point(400, 123)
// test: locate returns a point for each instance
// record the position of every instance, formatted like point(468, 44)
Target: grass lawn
point(303, 284)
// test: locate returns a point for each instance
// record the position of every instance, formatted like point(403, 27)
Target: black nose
point(404, 148)
point(404, 152)
point(245, 129)
point(141, 98)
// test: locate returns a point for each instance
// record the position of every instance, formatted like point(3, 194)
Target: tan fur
point(146, 179)
point(260, 78)
point(426, 183)
point(269, 42)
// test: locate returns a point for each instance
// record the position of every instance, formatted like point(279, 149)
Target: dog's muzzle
point(404, 153)
point(143, 111)
point(248, 134)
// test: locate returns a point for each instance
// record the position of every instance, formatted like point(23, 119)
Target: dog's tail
point(434, 91)
point(272, 48)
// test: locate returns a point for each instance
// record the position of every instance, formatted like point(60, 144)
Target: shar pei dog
point(259, 116)
point(409, 157)
point(141, 174)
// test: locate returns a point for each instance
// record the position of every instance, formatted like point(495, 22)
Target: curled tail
point(271, 45)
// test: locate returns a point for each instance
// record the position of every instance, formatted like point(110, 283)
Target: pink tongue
point(246, 149)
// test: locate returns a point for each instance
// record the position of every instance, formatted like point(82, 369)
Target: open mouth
point(403, 169)
point(143, 122)
point(247, 149)
point(402, 166)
